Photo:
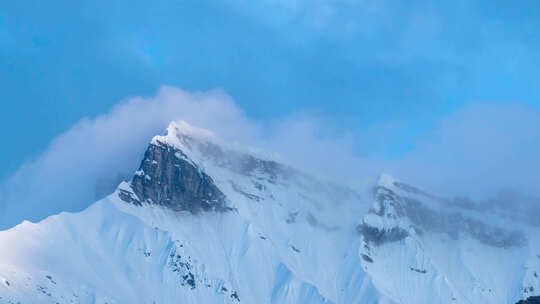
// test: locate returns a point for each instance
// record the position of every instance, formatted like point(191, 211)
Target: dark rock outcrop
point(377, 236)
point(169, 178)
point(442, 220)
point(530, 300)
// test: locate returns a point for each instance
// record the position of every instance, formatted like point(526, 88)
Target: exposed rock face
point(169, 178)
point(380, 236)
point(398, 210)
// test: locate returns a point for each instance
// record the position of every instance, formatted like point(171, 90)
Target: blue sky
point(360, 63)
point(388, 73)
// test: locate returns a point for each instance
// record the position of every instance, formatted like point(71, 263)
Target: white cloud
point(89, 160)
point(478, 150)
point(95, 153)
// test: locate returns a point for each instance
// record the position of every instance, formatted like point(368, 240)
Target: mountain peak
point(178, 130)
point(170, 177)
point(168, 235)
point(387, 181)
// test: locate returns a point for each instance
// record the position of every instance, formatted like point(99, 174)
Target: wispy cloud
point(89, 159)
point(478, 150)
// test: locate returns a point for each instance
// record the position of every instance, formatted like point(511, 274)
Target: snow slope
point(422, 249)
point(283, 237)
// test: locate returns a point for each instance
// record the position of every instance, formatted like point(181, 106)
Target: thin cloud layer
point(477, 151)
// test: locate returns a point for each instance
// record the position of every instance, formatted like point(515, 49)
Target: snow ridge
point(277, 236)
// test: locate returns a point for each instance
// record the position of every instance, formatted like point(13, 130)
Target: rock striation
point(167, 177)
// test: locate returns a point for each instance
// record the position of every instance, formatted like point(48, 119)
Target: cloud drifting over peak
point(478, 150)
point(89, 160)
point(482, 148)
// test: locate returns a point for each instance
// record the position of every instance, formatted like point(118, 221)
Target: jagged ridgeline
point(167, 176)
point(400, 202)
point(203, 221)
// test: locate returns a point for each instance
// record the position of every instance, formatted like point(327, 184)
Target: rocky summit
point(168, 178)
point(203, 221)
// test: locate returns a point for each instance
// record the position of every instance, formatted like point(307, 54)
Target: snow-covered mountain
point(203, 221)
